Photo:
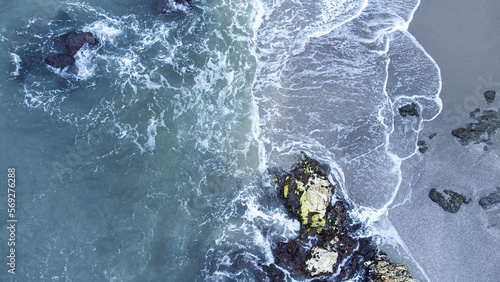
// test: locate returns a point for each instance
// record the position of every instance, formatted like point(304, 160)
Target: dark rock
point(165, 6)
point(410, 109)
point(489, 96)
point(60, 60)
point(432, 135)
point(421, 143)
point(485, 148)
point(422, 150)
point(306, 194)
point(73, 41)
point(292, 254)
point(452, 203)
point(490, 200)
point(273, 272)
point(481, 131)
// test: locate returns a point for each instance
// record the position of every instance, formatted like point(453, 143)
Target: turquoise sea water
point(147, 160)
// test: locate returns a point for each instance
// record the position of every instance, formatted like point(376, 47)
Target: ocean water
point(147, 160)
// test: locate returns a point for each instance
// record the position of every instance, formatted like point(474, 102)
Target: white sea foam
point(17, 62)
point(85, 63)
point(106, 30)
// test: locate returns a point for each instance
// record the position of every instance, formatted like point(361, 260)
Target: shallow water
point(147, 160)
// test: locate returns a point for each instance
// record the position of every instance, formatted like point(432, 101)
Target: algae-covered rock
point(324, 245)
point(381, 270)
point(452, 203)
point(314, 201)
point(307, 195)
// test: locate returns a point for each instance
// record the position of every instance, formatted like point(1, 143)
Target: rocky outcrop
point(409, 110)
point(488, 123)
point(490, 200)
point(324, 246)
point(307, 193)
point(452, 203)
point(489, 96)
point(71, 43)
point(165, 6)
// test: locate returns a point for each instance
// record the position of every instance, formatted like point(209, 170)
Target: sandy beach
point(463, 38)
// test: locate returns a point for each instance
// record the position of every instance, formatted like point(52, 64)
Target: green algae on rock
point(307, 195)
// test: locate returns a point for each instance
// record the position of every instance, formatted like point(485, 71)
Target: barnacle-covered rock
point(381, 270)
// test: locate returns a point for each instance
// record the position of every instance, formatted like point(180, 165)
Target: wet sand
point(463, 37)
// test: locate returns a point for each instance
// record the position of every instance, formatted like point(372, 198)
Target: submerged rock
point(490, 200)
point(452, 203)
point(325, 245)
point(73, 41)
point(489, 96)
point(409, 110)
point(481, 131)
point(60, 60)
